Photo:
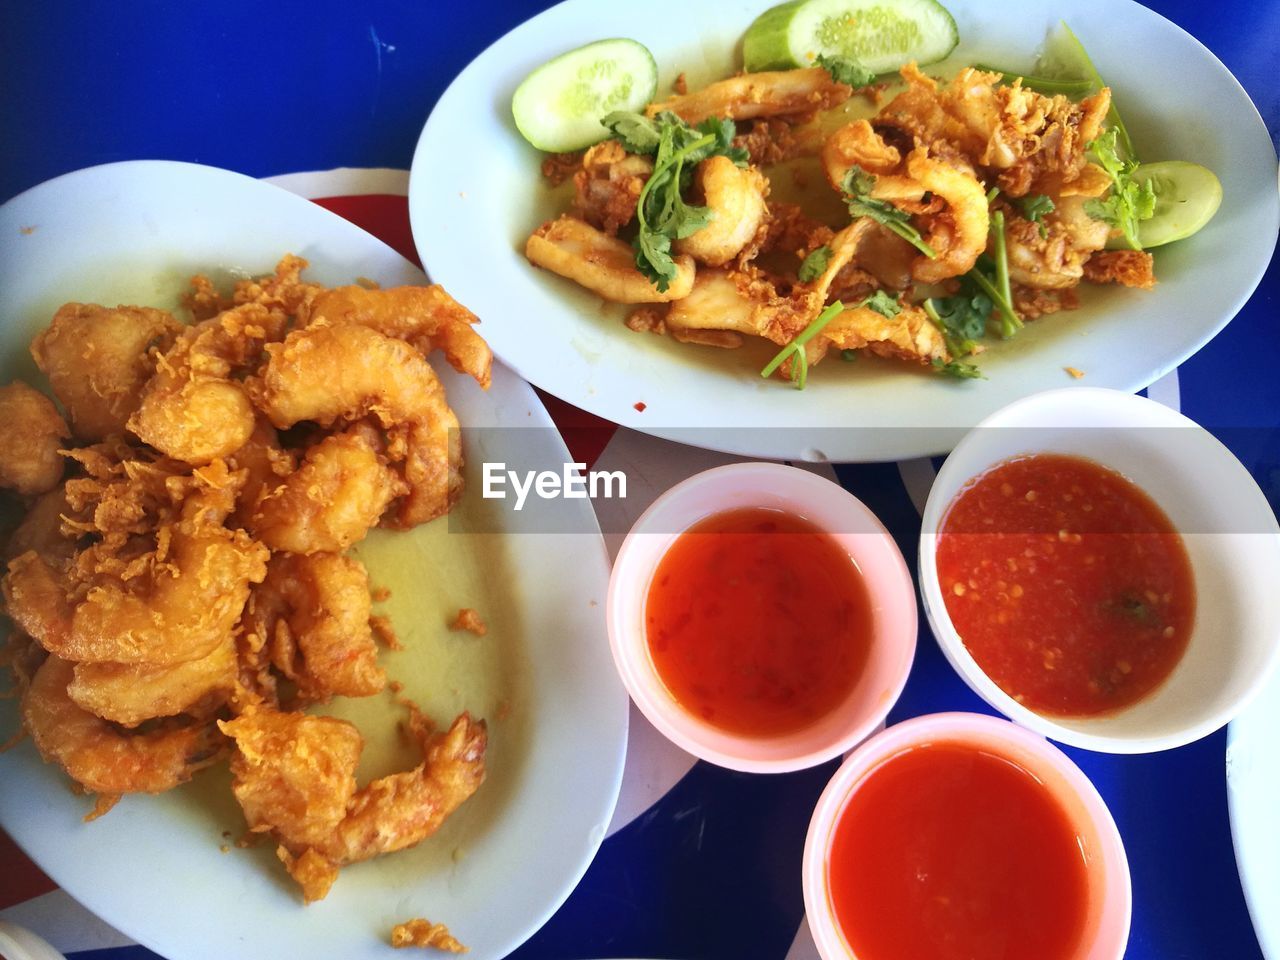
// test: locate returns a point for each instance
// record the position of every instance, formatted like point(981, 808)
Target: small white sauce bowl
point(1227, 525)
point(830, 508)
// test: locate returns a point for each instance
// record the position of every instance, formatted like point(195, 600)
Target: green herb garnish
point(1035, 207)
point(857, 186)
point(1129, 201)
point(815, 264)
point(661, 211)
point(957, 368)
point(879, 301)
point(847, 70)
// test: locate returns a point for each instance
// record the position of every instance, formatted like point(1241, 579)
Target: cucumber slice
point(1064, 58)
point(882, 35)
point(1187, 197)
point(558, 107)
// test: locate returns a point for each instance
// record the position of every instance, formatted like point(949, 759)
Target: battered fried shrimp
point(765, 94)
point(715, 313)
point(32, 435)
point(41, 530)
point(265, 464)
point(184, 601)
point(97, 360)
point(1056, 260)
point(603, 264)
point(294, 778)
point(192, 408)
point(736, 199)
point(950, 206)
point(102, 758)
point(607, 186)
point(130, 693)
point(341, 491)
point(313, 613)
point(420, 932)
point(341, 372)
point(908, 336)
point(426, 318)
point(857, 145)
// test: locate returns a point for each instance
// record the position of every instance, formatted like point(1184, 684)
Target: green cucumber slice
point(558, 106)
point(882, 35)
point(1187, 197)
point(1064, 58)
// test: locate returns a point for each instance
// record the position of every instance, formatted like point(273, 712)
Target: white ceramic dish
point(853, 526)
point(1253, 796)
point(133, 232)
point(475, 194)
point(1226, 523)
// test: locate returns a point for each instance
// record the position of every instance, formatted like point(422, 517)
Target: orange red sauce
point(946, 852)
point(1067, 584)
point(758, 622)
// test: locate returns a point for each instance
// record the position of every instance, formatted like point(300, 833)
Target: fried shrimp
point(192, 408)
point(97, 360)
point(765, 94)
point(342, 372)
point(603, 264)
point(607, 186)
point(426, 318)
point(312, 614)
point(184, 600)
point(102, 758)
point(332, 500)
point(29, 443)
point(294, 776)
point(736, 199)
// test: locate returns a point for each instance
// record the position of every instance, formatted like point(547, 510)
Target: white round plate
point(543, 676)
point(1253, 798)
point(475, 195)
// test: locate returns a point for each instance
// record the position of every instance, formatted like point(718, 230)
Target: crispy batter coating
point(603, 264)
point(97, 360)
point(102, 758)
point(29, 443)
point(295, 778)
point(765, 94)
point(313, 614)
point(1132, 268)
point(468, 619)
point(608, 184)
point(420, 932)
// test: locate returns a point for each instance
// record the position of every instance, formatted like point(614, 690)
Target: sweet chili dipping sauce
point(757, 621)
point(1067, 584)
point(947, 852)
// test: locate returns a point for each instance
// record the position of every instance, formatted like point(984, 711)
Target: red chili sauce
point(946, 852)
point(758, 622)
point(1067, 584)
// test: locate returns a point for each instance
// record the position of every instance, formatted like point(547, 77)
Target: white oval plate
point(1253, 798)
point(152, 867)
point(475, 194)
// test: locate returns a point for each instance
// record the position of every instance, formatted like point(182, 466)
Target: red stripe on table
point(20, 879)
point(383, 215)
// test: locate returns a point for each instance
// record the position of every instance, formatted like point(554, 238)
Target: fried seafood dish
point(920, 216)
point(179, 584)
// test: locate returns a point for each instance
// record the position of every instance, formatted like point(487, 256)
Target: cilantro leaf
point(847, 70)
point(958, 369)
point(1129, 201)
point(661, 211)
point(815, 264)
point(638, 133)
point(857, 187)
point(882, 304)
point(1035, 207)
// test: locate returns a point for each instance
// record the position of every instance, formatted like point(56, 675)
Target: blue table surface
point(712, 871)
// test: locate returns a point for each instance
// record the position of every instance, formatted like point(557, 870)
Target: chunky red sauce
point(945, 852)
point(757, 621)
point(1067, 583)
